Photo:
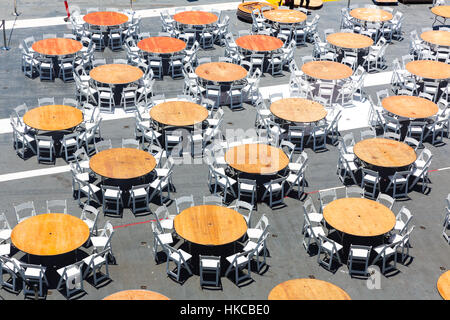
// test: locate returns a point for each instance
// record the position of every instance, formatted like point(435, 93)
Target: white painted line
point(33, 173)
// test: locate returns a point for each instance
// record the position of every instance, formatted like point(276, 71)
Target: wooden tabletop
point(248, 7)
point(298, 110)
point(410, 106)
point(359, 217)
point(259, 43)
point(371, 14)
point(429, 69)
point(53, 118)
point(327, 70)
point(50, 234)
point(442, 11)
point(349, 40)
point(116, 74)
point(105, 18)
point(256, 158)
point(307, 289)
point(57, 46)
point(386, 153)
point(195, 18)
point(285, 16)
point(122, 163)
point(437, 37)
point(210, 225)
point(162, 45)
point(136, 295)
point(178, 113)
point(221, 72)
point(443, 285)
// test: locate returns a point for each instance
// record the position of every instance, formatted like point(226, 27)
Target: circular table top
point(298, 110)
point(50, 234)
point(53, 117)
point(386, 153)
point(136, 295)
point(178, 113)
point(429, 69)
point(327, 70)
point(410, 106)
point(122, 163)
point(57, 46)
point(443, 285)
point(195, 18)
point(105, 18)
point(442, 11)
point(256, 158)
point(162, 45)
point(359, 217)
point(349, 40)
point(371, 14)
point(248, 7)
point(210, 225)
point(259, 43)
point(307, 289)
point(285, 16)
point(437, 37)
point(221, 72)
point(116, 73)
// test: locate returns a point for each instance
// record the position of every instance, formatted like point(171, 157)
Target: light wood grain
point(136, 295)
point(442, 11)
point(221, 72)
point(410, 106)
point(161, 45)
point(285, 16)
point(327, 70)
point(50, 234)
point(371, 14)
point(349, 40)
point(307, 289)
point(259, 43)
point(443, 285)
point(359, 217)
point(105, 18)
point(57, 46)
point(53, 118)
point(195, 18)
point(429, 69)
point(298, 110)
point(248, 7)
point(385, 153)
point(437, 37)
point(116, 74)
point(122, 163)
point(178, 113)
point(256, 158)
point(210, 225)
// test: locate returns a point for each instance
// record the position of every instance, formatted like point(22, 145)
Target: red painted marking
point(132, 224)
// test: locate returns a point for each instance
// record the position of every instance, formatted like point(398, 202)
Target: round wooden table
point(195, 18)
point(359, 217)
point(298, 110)
point(437, 37)
point(327, 70)
point(221, 72)
point(285, 16)
point(429, 69)
point(307, 289)
point(122, 163)
point(410, 106)
point(371, 14)
point(385, 153)
point(210, 225)
point(50, 234)
point(443, 285)
point(136, 295)
point(442, 11)
point(53, 118)
point(348, 40)
point(161, 45)
point(57, 46)
point(105, 18)
point(116, 74)
point(178, 113)
point(256, 158)
point(245, 9)
point(259, 43)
